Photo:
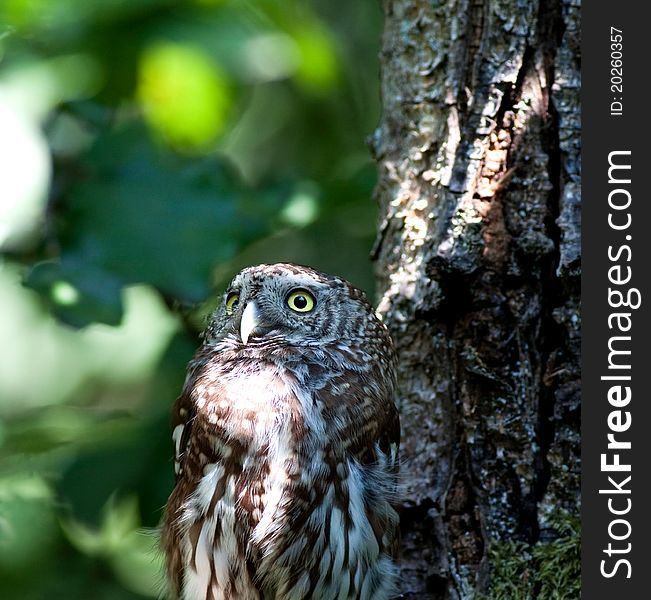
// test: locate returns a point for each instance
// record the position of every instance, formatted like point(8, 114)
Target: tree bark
point(478, 265)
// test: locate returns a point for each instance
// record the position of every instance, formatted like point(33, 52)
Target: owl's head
point(287, 304)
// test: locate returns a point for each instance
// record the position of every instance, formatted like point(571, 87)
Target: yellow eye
point(301, 301)
point(231, 302)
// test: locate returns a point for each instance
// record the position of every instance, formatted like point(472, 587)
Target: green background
point(150, 149)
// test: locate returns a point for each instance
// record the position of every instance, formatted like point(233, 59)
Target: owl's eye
point(231, 302)
point(301, 301)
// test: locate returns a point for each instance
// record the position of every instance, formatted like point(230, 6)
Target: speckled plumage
point(286, 440)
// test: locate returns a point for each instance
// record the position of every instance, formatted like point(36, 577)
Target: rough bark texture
point(478, 262)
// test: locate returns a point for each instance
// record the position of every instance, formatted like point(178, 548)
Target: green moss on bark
point(545, 571)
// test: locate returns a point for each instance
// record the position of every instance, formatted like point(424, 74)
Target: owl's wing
point(183, 414)
point(182, 421)
point(389, 434)
point(375, 431)
point(367, 426)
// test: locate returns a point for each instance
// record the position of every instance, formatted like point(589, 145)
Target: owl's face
point(285, 304)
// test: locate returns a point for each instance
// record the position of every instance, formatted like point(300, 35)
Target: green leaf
point(185, 96)
point(78, 293)
point(27, 524)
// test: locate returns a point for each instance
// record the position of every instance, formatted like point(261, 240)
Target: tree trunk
point(478, 264)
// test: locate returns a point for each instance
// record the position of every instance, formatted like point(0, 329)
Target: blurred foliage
point(149, 150)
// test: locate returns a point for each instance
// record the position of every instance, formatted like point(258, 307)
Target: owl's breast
point(242, 455)
point(250, 423)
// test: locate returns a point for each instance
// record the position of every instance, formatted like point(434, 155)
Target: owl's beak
point(250, 321)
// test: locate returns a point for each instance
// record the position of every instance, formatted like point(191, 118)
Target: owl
point(286, 446)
